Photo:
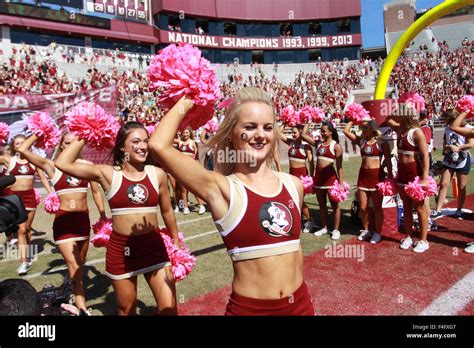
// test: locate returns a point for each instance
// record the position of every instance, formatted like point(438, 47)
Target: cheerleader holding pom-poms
point(372, 147)
point(71, 226)
point(328, 151)
point(256, 210)
point(24, 172)
point(134, 189)
point(180, 70)
point(413, 161)
point(299, 152)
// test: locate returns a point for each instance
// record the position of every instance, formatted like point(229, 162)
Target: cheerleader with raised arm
point(413, 161)
point(71, 227)
point(257, 211)
point(372, 147)
point(299, 152)
point(328, 152)
point(24, 172)
point(133, 189)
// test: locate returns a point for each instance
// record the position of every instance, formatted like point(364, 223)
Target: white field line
point(452, 301)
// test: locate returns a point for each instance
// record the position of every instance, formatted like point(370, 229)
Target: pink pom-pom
point(150, 128)
point(51, 203)
point(90, 122)
point(182, 262)
point(290, 116)
point(357, 113)
point(211, 126)
point(307, 183)
point(180, 70)
point(387, 187)
point(338, 193)
point(310, 114)
point(103, 230)
point(432, 188)
point(37, 196)
point(413, 99)
point(4, 133)
point(418, 193)
point(225, 103)
point(42, 125)
point(466, 103)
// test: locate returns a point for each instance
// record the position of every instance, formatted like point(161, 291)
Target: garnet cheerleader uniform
point(297, 153)
point(70, 226)
point(369, 178)
point(186, 149)
point(24, 171)
point(325, 177)
point(408, 171)
point(128, 256)
point(277, 233)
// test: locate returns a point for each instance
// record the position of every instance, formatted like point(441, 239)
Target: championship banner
point(15, 108)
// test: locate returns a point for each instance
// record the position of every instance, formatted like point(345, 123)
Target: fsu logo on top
point(275, 219)
point(23, 169)
point(137, 193)
point(322, 151)
point(368, 150)
point(72, 181)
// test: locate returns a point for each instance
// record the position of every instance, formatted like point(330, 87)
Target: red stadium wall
point(262, 10)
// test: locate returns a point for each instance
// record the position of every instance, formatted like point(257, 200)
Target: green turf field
point(213, 269)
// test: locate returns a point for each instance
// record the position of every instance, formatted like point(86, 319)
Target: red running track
point(388, 281)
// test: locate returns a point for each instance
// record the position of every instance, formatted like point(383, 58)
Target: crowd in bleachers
point(441, 77)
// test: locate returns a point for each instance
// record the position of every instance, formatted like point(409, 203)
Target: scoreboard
point(137, 10)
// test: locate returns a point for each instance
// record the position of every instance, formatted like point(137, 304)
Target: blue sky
point(372, 20)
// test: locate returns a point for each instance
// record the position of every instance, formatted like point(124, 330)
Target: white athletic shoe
point(308, 226)
point(186, 211)
point(421, 246)
point(176, 210)
point(364, 234)
point(469, 248)
point(406, 243)
point(322, 231)
point(202, 209)
point(335, 235)
point(29, 262)
point(23, 269)
point(375, 238)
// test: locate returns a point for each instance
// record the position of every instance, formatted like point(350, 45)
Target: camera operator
point(12, 209)
point(19, 298)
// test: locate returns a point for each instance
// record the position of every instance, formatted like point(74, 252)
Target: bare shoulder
point(160, 173)
point(299, 185)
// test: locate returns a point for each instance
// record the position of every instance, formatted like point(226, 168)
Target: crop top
point(297, 153)
point(257, 225)
point(370, 150)
point(406, 143)
point(128, 196)
point(326, 152)
point(26, 170)
point(64, 183)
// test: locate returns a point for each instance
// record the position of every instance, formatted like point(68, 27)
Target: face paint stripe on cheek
point(243, 136)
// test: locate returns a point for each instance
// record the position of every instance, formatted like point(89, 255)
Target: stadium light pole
point(442, 9)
